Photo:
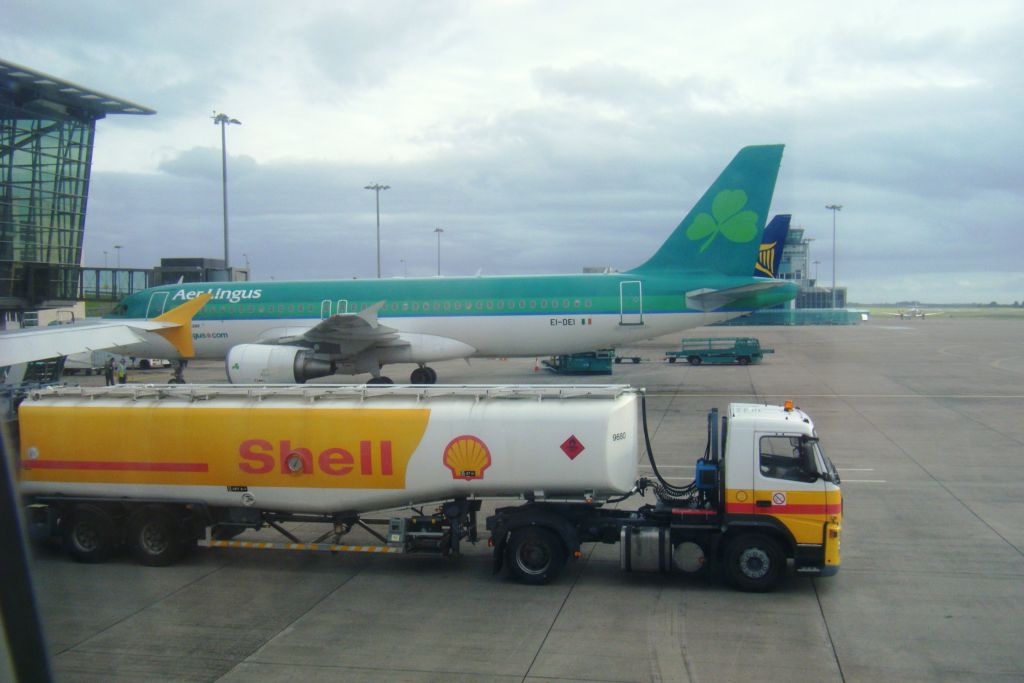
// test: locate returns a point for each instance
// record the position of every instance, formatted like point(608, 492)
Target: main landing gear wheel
point(423, 375)
point(379, 380)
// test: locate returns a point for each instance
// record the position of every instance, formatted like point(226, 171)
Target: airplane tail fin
point(769, 258)
point(723, 230)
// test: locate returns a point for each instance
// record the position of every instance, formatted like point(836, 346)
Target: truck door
point(789, 486)
point(631, 303)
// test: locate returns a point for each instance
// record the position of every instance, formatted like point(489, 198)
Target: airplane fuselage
point(496, 316)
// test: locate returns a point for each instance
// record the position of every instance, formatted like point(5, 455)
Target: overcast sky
point(544, 137)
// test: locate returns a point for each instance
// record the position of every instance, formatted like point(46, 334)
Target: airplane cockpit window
point(788, 457)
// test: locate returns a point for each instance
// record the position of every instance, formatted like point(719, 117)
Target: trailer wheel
point(671, 359)
point(89, 534)
point(155, 536)
point(754, 563)
point(743, 360)
point(693, 360)
point(535, 555)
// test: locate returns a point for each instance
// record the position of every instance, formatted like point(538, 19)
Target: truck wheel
point(535, 555)
point(155, 536)
point(754, 562)
point(693, 360)
point(88, 534)
point(743, 360)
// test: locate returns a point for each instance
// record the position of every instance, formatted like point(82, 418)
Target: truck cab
point(779, 485)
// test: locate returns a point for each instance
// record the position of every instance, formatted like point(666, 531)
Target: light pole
point(377, 187)
point(224, 120)
point(438, 231)
point(405, 270)
point(834, 208)
point(816, 271)
point(118, 252)
point(104, 259)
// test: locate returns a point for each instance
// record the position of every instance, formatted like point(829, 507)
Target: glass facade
point(44, 182)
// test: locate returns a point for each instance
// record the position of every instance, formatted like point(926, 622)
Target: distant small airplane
point(915, 312)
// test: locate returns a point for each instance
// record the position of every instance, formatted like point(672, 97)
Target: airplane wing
point(24, 346)
point(713, 299)
point(351, 333)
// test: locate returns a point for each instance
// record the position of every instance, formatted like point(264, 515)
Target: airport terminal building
point(47, 131)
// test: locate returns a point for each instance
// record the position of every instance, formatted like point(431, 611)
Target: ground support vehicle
point(587, 363)
point(162, 468)
point(719, 350)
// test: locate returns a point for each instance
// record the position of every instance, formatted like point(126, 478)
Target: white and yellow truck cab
point(162, 468)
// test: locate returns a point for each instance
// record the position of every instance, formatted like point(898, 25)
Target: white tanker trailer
point(162, 467)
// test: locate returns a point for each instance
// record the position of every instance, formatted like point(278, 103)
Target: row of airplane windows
point(404, 306)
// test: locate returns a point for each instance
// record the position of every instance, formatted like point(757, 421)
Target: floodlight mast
point(834, 208)
point(377, 187)
point(224, 120)
point(438, 231)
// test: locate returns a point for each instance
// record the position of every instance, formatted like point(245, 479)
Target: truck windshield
point(830, 472)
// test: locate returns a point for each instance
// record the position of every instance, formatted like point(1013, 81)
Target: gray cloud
point(914, 130)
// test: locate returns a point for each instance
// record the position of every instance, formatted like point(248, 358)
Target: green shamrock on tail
point(727, 218)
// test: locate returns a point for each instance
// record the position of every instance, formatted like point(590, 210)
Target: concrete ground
point(924, 420)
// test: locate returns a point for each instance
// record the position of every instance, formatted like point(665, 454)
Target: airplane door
point(325, 309)
point(157, 301)
point(342, 307)
point(631, 303)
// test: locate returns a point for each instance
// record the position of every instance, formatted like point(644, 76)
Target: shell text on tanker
point(258, 457)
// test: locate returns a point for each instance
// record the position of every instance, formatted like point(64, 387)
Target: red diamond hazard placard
point(572, 447)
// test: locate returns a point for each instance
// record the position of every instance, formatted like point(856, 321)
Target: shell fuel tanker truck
point(163, 468)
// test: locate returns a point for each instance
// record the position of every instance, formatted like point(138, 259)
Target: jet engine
point(270, 364)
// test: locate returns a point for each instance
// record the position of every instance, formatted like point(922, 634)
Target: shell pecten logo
point(467, 457)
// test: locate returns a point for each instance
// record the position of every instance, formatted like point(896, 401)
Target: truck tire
point(743, 360)
point(754, 563)
point(89, 534)
point(155, 536)
point(535, 555)
point(693, 360)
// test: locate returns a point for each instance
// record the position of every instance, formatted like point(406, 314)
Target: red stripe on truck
point(114, 465)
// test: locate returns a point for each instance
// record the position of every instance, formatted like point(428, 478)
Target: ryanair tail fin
point(723, 230)
point(769, 257)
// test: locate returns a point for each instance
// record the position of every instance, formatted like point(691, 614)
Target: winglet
point(369, 314)
point(180, 334)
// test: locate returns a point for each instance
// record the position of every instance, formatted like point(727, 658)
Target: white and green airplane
point(285, 332)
